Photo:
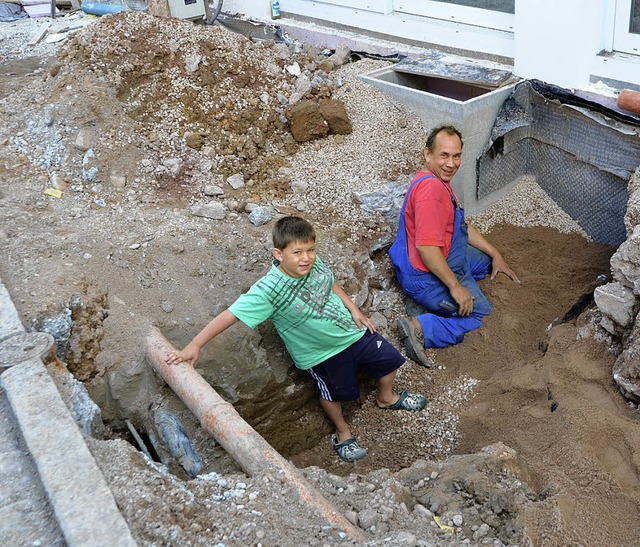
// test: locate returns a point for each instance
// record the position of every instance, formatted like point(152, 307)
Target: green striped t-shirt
point(309, 317)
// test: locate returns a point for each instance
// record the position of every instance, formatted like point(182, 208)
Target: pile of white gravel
point(527, 205)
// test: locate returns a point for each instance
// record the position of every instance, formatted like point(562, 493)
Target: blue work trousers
point(442, 326)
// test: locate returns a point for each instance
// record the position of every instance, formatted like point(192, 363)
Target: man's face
point(297, 258)
point(444, 160)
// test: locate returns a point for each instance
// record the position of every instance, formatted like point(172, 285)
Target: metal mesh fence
point(581, 159)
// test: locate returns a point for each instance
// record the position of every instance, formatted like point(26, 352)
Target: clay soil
point(529, 379)
point(542, 390)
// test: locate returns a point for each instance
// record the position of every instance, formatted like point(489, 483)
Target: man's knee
point(481, 306)
point(479, 263)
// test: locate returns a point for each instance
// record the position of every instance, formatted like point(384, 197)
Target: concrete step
point(26, 516)
point(58, 477)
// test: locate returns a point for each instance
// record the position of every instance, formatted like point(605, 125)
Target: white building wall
point(256, 9)
point(560, 42)
point(556, 41)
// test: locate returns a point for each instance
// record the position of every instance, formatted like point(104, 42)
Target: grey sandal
point(349, 450)
point(409, 401)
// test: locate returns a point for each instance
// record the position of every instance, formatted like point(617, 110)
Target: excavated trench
point(559, 273)
point(536, 376)
point(286, 413)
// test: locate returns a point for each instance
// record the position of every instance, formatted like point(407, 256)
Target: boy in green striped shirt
point(323, 330)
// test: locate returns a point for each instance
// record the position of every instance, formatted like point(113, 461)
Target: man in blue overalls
point(438, 257)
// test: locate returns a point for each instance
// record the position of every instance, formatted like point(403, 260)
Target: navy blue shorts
point(337, 377)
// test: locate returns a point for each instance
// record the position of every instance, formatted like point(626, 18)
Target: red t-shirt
point(429, 217)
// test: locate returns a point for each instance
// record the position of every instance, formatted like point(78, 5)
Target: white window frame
point(458, 14)
point(379, 6)
point(623, 40)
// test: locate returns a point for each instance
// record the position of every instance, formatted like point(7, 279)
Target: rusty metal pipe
point(243, 443)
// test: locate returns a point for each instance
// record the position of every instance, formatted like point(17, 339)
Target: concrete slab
point(35, 418)
point(461, 72)
point(10, 323)
point(26, 516)
point(82, 502)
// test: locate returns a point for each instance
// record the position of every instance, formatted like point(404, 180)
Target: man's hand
point(498, 265)
point(497, 262)
point(464, 299)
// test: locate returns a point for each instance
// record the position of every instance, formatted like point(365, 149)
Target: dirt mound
point(204, 88)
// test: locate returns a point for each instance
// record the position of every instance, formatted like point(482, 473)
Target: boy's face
point(297, 258)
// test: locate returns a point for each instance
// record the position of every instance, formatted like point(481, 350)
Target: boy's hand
point(189, 354)
point(362, 320)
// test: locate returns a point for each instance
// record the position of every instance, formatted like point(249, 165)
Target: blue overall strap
point(454, 199)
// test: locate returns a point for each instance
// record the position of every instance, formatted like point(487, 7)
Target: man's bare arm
point(498, 264)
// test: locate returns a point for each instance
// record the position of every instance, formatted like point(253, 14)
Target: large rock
point(214, 210)
point(335, 114)
point(306, 121)
point(632, 216)
point(625, 263)
point(626, 371)
point(341, 56)
point(625, 266)
point(86, 139)
point(616, 302)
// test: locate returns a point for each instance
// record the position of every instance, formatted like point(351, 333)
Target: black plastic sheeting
point(567, 97)
point(581, 153)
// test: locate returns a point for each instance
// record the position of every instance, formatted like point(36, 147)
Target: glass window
point(634, 21)
point(505, 6)
point(626, 34)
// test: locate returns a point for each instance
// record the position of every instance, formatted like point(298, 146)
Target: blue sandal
point(409, 401)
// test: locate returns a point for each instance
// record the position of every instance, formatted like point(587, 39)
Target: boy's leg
point(336, 378)
point(333, 410)
point(380, 360)
point(386, 396)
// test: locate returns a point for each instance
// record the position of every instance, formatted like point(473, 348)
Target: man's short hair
point(292, 228)
point(448, 129)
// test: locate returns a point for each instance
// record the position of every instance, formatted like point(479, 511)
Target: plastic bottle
point(275, 10)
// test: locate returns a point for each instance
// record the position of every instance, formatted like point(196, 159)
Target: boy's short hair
point(292, 228)
point(448, 129)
